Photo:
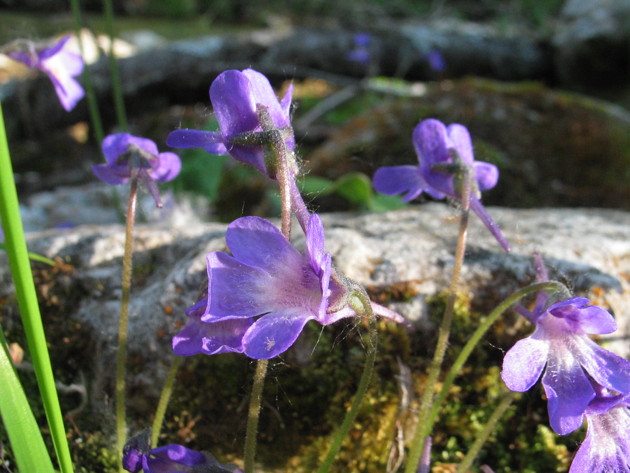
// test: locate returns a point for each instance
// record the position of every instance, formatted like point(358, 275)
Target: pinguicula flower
point(361, 51)
point(133, 157)
point(261, 297)
point(173, 458)
point(573, 364)
point(606, 448)
point(436, 60)
point(235, 96)
point(445, 157)
point(55, 61)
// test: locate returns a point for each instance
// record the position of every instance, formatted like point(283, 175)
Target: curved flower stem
point(549, 286)
point(422, 427)
point(165, 397)
point(485, 433)
point(253, 415)
point(364, 307)
point(121, 356)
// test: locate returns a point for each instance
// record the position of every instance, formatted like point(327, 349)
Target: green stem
point(366, 376)
point(464, 466)
point(28, 304)
point(95, 116)
point(549, 286)
point(422, 427)
point(119, 103)
point(121, 357)
point(165, 397)
point(253, 416)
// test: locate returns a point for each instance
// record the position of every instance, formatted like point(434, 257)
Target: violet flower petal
point(606, 448)
point(431, 141)
point(477, 207)
point(524, 363)
point(582, 317)
point(235, 288)
point(211, 141)
point(315, 242)
point(459, 139)
point(568, 392)
point(235, 108)
point(392, 180)
point(111, 175)
point(50, 51)
point(211, 338)
point(274, 333)
point(486, 175)
point(173, 458)
point(256, 242)
point(606, 368)
point(68, 90)
point(264, 94)
point(169, 166)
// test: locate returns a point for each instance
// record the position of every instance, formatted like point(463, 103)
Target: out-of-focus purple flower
point(436, 60)
point(445, 155)
point(574, 365)
point(265, 277)
point(606, 448)
point(173, 458)
point(133, 157)
point(234, 96)
point(58, 63)
point(361, 51)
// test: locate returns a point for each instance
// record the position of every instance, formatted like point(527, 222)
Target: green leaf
point(26, 440)
point(33, 256)
point(355, 187)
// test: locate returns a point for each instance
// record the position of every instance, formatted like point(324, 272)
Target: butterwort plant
point(138, 456)
point(136, 158)
point(261, 297)
point(575, 367)
point(446, 158)
point(236, 97)
point(56, 61)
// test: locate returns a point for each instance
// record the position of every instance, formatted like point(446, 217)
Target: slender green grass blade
point(26, 440)
point(27, 302)
point(33, 256)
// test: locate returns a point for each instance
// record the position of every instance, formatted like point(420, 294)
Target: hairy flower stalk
point(422, 426)
point(135, 160)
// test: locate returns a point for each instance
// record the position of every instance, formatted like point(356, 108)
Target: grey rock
point(592, 41)
point(588, 249)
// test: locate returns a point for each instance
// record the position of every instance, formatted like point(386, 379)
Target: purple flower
point(361, 51)
point(171, 458)
point(436, 60)
point(606, 448)
point(132, 157)
point(574, 365)
point(197, 337)
point(444, 155)
point(266, 277)
point(59, 64)
point(234, 96)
